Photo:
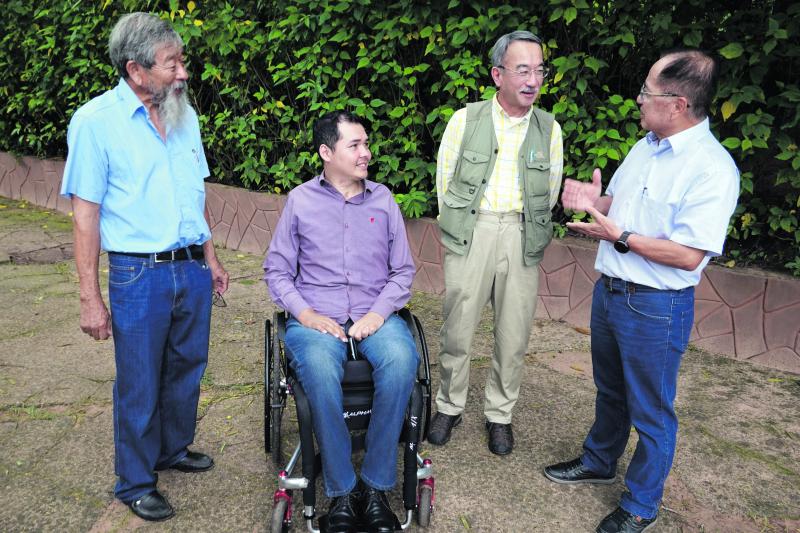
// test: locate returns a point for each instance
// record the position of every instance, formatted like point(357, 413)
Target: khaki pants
point(493, 270)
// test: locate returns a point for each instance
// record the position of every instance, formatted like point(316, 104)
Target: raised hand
point(579, 195)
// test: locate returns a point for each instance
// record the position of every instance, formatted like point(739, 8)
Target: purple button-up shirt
point(342, 258)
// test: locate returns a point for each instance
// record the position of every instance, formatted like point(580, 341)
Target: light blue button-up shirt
point(151, 193)
point(683, 188)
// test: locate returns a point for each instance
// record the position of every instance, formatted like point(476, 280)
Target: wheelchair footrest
point(360, 526)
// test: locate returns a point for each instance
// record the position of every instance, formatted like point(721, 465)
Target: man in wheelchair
point(339, 263)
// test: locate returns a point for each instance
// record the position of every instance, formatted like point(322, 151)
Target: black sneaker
point(621, 521)
point(573, 472)
point(440, 428)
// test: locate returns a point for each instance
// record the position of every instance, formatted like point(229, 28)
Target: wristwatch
point(621, 244)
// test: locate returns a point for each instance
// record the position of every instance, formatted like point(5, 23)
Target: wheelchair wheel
point(278, 401)
point(275, 395)
point(425, 506)
point(278, 514)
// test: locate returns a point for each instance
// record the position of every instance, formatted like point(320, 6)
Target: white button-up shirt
point(683, 188)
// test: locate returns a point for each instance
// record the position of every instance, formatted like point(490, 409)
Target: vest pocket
point(453, 218)
point(539, 233)
point(459, 195)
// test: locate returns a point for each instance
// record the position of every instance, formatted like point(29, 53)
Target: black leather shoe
point(440, 428)
point(194, 462)
point(342, 514)
point(378, 516)
point(153, 507)
point(573, 472)
point(621, 521)
point(501, 438)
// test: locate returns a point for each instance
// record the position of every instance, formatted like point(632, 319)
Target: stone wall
point(748, 315)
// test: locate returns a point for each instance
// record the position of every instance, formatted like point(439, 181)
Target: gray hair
point(137, 37)
point(501, 46)
point(693, 74)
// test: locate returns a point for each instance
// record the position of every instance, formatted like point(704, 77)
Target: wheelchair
point(357, 387)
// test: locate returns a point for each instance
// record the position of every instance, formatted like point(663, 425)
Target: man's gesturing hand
point(579, 195)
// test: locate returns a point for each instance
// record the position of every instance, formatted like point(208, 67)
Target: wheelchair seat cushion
point(358, 372)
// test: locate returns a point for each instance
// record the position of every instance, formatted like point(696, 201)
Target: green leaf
point(459, 38)
point(732, 143)
point(570, 14)
point(731, 51)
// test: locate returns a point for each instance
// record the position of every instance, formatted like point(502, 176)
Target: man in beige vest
point(497, 178)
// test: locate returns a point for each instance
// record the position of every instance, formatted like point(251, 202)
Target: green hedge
point(263, 70)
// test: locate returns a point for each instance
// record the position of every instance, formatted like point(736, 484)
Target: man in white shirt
point(663, 216)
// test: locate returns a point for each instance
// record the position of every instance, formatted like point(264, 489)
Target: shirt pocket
point(654, 218)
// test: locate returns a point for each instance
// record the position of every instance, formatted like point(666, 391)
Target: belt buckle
point(171, 257)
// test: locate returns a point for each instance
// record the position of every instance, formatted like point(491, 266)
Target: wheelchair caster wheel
point(281, 514)
point(425, 507)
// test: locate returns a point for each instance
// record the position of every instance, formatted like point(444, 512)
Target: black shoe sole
point(150, 518)
point(592, 480)
point(191, 470)
point(501, 454)
point(449, 434)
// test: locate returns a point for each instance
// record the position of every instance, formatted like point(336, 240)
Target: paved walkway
point(737, 467)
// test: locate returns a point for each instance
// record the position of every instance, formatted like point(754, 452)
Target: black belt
point(194, 251)
point(621, 285)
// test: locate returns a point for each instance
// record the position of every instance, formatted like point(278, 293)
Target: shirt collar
point(497, 108)
point(681, 140)
point(128, 97)
point(368, 185)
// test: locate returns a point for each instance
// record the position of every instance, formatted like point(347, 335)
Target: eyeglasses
point(647, 94)
point(524, 72)
point(218, 300)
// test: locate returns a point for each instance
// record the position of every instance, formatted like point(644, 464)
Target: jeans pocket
point(125, 274)
point(653, 305)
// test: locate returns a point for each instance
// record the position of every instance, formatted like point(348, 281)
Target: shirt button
point(346, 225)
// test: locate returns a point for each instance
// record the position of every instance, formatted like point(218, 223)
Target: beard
point(172, 103)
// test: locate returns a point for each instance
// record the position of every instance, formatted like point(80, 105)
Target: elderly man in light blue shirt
point(664, 215)
point(135, 172)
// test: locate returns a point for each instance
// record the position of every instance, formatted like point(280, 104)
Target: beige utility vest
point(475, 164)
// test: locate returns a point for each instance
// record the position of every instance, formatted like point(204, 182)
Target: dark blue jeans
point(638, 339)
point(318, 360)
point(161, 315)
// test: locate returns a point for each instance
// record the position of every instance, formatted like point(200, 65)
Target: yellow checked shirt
point(503, 192)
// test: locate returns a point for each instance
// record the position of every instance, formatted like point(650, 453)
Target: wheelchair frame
point(418, 480)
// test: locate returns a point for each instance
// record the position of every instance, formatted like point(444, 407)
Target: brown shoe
point(440, 428)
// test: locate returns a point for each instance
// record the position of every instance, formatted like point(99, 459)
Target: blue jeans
point(161, 314)
point(638, 339)
point(318, 360)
